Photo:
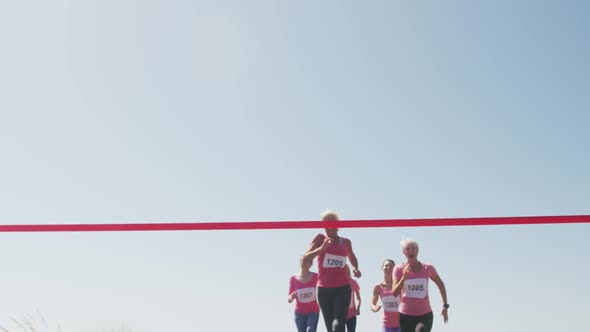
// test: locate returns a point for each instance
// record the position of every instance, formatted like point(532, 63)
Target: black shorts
point(409, 323)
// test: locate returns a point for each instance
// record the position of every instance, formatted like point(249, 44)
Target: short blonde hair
point(329, 215)
point(407, 242)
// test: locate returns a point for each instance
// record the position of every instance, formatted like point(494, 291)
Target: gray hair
point(407, 242)
point(329, 215)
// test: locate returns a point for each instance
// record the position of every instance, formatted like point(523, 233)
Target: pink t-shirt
point(390, 306)
point(354, 286)
point(306, 299)
point(332, 264)
point(414, 297)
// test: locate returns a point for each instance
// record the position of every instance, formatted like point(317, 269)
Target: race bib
point(306, 295)
point(416, 288)
point(332, 261)
point(390, 303)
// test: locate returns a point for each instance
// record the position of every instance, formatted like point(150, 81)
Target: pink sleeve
point(291, 286)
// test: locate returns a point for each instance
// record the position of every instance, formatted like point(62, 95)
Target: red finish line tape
point(204, 226)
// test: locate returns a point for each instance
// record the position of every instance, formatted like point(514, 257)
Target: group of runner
point(403, 293)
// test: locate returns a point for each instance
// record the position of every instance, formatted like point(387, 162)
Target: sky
point(195, 111)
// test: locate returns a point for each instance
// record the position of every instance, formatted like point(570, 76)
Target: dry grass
point(29, 323)
point(37, 323)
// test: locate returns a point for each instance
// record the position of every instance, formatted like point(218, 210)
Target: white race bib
point(306, 295)
point(390, 303)
point(332, 261)
point(416, 288)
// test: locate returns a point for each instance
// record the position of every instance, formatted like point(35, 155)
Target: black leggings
point(334, 304)
point(416, 323)
point(351, 324)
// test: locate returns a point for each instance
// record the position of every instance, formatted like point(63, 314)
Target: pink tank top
point(306, 300)
point(414, 297)
point(354, 287)
point(332, 264)
point(390, 306)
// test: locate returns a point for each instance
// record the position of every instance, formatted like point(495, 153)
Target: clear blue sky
point(186, 111)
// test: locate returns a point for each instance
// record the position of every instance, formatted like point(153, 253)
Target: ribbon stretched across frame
point(254, 225)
